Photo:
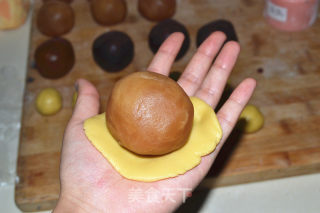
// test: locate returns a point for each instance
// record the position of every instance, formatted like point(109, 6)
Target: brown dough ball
point(108, 12)
point(55, 18)
point(67, 1)
point(54, 58)
point(157, 10)
point(149, 114)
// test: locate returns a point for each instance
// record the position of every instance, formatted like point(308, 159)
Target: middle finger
point(212, 87)
point(199, 65)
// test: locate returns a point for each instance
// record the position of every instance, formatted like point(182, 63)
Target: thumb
point(87, 104)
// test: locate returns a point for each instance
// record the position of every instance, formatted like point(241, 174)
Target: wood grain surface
point(286, 66)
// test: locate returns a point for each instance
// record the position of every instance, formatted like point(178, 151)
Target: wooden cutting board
point(286, 66)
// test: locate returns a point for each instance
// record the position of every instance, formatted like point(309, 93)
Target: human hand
point(90, 184)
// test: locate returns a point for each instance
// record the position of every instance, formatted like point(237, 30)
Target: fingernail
point(76, 86)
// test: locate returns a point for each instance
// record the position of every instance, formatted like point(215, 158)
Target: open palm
point(90, 184)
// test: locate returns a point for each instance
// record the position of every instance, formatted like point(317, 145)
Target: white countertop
point(296, 194)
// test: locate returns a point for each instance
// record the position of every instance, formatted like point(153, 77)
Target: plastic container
point(291, 15)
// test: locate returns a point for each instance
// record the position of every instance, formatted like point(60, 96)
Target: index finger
point(164, 58)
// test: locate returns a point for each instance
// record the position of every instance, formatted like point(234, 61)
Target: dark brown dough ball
point(219, 25)
point(149, 114)
point(66, 1)
point(55, 18)
point(108, 12)
point(161, 32)
point(54, 58)
point(157, 10)
point(113, 51)
point(175, 75)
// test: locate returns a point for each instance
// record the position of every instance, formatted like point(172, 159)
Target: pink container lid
point(291, 15)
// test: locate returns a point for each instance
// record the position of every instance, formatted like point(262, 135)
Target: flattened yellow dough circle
point(204, 137)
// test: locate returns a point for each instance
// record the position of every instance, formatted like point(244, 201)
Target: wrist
point(70, 203)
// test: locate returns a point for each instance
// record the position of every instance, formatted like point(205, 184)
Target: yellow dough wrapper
point(205, 135)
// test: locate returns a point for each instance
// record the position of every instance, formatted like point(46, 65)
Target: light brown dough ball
point(55, 18)
point(149, 114)
point(157, 10)
point(108, 12)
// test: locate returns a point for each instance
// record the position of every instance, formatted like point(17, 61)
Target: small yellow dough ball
point(74, 99)
point(49, 101)
point(253, 119)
